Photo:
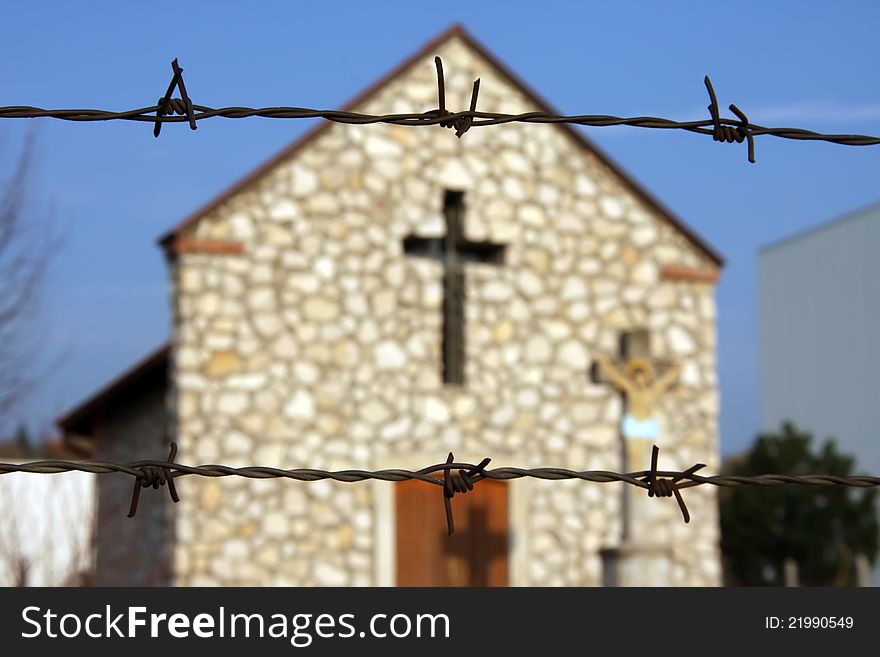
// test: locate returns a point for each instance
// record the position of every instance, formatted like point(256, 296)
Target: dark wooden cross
point(453, 250)
point(475, 548)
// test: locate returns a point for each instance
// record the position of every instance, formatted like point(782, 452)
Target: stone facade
point(316, 342)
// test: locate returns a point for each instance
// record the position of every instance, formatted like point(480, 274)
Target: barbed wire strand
point(177, 110)
point(658, 483)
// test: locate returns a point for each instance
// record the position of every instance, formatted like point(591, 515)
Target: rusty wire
point(154, 476)
point(658, 483)
point(177, 110)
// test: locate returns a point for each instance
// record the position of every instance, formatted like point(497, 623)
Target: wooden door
point(475, 555)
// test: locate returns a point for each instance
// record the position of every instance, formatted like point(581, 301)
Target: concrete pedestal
point(634, 564)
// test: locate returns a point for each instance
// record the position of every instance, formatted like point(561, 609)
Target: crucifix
point(641, 380)
point(453, 250)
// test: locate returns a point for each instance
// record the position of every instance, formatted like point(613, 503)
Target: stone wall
point(319, 344)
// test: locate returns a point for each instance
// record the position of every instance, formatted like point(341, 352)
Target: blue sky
point(113, 189)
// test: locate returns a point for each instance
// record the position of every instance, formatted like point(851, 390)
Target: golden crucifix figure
point(641, 389)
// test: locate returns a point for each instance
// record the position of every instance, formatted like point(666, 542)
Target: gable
point(147, 375)
point(501, 91)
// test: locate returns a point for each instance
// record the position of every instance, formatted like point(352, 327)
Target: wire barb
point(662, 487)
point(462, 121)
point(459, 483)
point(155, 476)
point(730, 133)
point(464, 124)
point(168, 105)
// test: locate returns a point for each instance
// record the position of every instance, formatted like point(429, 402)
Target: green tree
point(22, 440)
point(821, 528)
point(19, 445)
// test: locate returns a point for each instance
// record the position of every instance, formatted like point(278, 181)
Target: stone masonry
point(316, 342)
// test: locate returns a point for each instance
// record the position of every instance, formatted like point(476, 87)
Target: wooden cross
point(470, 553)
point(453, 250)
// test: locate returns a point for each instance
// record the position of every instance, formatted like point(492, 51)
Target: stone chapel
point(378, 296)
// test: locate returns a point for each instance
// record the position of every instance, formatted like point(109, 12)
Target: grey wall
point(133, 551)
point(819, 310)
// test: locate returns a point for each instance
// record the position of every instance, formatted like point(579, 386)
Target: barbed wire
point(658, 483)
point(183, 110)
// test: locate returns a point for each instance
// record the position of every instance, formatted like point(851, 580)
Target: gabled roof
point(153, 369)
point(427, 50)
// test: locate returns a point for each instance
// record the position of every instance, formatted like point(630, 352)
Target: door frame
point(385, 516)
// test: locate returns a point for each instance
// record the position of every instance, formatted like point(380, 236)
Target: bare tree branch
point(27, 244)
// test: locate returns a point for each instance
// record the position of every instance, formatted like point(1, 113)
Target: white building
point(48, 525)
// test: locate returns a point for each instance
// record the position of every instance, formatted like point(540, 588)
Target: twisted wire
point(658, 483)
point(183, 110)
point(688, 480)
point(480, 119)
